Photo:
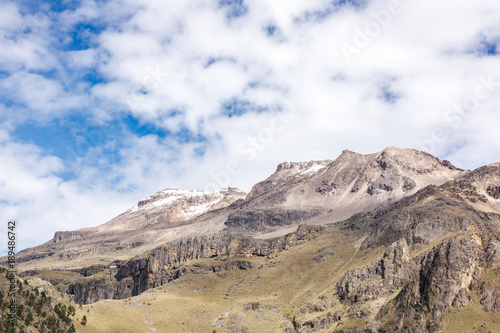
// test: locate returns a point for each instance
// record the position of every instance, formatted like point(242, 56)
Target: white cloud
point(174, 63)
point(40, 201)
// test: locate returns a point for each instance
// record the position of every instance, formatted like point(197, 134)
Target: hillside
point(424, 256)
point(37, 305)
point(430, 262)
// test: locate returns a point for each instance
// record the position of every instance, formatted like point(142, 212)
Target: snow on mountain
point(351, 183)
point(172, 206)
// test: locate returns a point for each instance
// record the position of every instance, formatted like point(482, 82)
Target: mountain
point(443, 257)
point(170, 206)
point(315, 192)
point(396, 241)
point(136, 230)
point(335, 190)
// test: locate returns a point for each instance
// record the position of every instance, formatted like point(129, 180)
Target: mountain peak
point(349, 152)
point(352, 182)
point(301, 167)
point(194, 197)
point(176, 205)
point(286, 172)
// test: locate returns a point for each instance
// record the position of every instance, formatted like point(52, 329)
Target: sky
point(105, 102)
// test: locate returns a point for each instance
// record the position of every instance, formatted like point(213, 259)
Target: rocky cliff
point(381, 278)
point(444, 276)
point(122, 279)
point(260, 221)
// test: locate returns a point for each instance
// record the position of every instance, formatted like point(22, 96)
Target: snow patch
point(313, 169)
point(172, 195)
point(198, 210)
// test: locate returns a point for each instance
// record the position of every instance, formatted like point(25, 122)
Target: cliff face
point(381, 278)
point(164, 264)
point(443, 277)
point(423, 218)
point(79, 248)
point(261, 221)
point(63, 236)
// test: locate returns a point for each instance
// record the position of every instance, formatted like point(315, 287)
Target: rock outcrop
point(266, 220)
point(465, 216)
point(441, 278)
point(164, 264)
point(444, 277)
point(490, 300)
point(381, 278)
point(422, 218)
point(63, 236)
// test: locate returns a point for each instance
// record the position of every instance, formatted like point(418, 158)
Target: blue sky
point(103, 103)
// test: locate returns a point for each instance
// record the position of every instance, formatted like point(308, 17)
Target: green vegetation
point(32, 309)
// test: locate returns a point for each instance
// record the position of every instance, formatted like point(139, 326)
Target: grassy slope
point(277, 290)
point(473, 318)
point(264, 298)
point(32, 297)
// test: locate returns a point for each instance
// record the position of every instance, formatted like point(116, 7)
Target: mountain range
point(395, 241)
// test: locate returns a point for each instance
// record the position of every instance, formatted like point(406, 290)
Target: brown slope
point(335, 190)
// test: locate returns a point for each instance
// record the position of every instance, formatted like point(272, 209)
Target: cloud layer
point(102, 103)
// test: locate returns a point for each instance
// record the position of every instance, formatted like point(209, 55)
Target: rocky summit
point(395, 241)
